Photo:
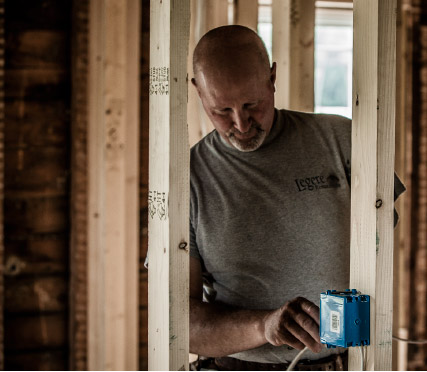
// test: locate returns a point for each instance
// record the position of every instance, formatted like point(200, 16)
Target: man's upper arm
point(196, 280)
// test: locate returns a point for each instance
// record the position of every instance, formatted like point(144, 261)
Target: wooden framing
point(373, 137)
point(403, 167)
point(2, 63)
point(246, 13)
point(293, 51)
point(113, 216)
point(418, 283)
point(79, 179)
point(205, 15)
point(168, 226)
point(214, 13)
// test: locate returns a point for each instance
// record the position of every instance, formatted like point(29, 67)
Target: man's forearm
point(217, 330)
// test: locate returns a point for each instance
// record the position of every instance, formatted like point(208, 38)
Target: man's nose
point(241, 121)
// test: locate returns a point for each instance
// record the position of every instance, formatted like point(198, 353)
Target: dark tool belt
point(331, 363)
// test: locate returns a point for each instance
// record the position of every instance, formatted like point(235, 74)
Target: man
point(270, 202)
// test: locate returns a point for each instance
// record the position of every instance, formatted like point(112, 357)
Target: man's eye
point(250, 105)
point(220, 112)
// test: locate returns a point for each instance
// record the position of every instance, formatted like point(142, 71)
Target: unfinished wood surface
point(293, 51)
point(36, 188)
point(113, 185)
point(52, 360)
point(403, 167)
point(168, 208)
point(371, 257)
point(194, 109)
point(24, 334)
point(205, 15)
point(79, 190)
point(418, 325)
point(215, 13)
point(2, 115)
point(143, 182)
point(246, 13)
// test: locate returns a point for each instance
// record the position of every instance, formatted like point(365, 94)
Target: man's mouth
point(247, 135)
point(254, 129)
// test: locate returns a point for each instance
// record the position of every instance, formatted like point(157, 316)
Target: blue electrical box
point(344, 318)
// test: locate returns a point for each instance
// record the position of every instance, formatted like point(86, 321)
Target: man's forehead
point(230, 63)
point(224, 91)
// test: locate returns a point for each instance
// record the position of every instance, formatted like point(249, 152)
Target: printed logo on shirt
point(317, 183)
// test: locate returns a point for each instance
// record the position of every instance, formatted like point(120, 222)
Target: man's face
point(240, 105)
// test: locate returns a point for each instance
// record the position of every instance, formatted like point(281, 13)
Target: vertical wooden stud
point(113, 184)
point(2, 62)
point(293, 51)
point(79, 191)
point(403, 167)
point(418, 324)
point(168, 226)
point(281, 51)
point(195, 132)
point(247, 13)
point(205, 15)
point(373, 137)
point(215, 13)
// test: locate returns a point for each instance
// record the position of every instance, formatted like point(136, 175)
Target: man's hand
point(296, 324)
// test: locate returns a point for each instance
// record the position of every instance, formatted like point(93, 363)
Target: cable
point(418, 342)
point(296, 359)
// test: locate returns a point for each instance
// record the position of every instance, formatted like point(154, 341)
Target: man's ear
point(273, 75)
point(193, 81)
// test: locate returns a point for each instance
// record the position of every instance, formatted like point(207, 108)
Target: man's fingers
point(302, 335)
point(289, 339)
point(310, 308)
point(309, 325)
point(296, 323)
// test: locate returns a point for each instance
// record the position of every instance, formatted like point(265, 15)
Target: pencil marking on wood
point(159, 81)
point(157, 204)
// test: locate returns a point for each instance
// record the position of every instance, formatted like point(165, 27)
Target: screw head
point(357, 322)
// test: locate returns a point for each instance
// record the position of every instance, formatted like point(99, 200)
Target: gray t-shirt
point(273, 224)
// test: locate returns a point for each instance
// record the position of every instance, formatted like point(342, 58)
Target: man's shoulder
point(328, 125)
point(204, 150)
point(318, 118)
point(204, 143)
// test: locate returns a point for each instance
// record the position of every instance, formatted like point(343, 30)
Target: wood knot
point(13, 266)
point(183, 245)
point(378, 203)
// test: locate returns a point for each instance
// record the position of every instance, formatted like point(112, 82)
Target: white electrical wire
point(296, 359)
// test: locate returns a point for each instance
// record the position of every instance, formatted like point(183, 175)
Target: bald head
point(230, 49)
point(235, 84)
